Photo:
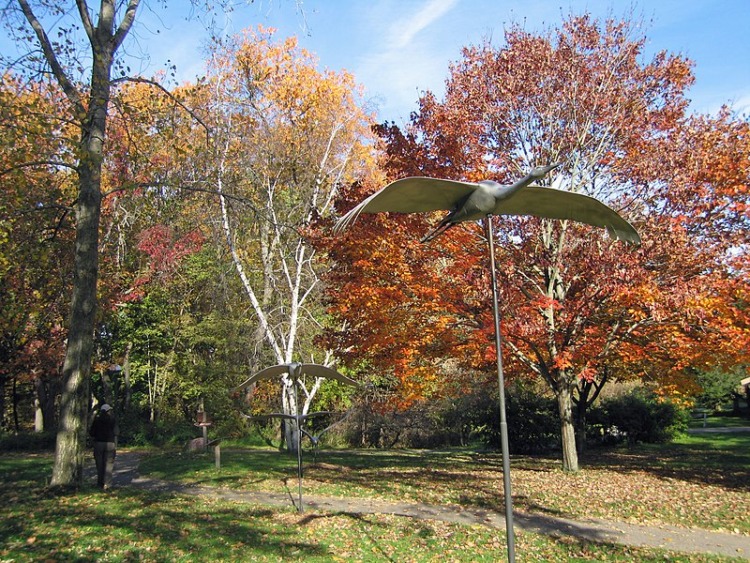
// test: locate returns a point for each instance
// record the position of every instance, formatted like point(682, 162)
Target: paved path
point(687, 540)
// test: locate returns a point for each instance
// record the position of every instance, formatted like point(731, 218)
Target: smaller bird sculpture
point(467, 201)
point(296, 371)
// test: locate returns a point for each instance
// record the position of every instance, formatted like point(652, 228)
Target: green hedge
point(638, 416)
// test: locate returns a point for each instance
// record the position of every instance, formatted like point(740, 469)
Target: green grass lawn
point(698, 481)
point(719, 422)
point(702, 480)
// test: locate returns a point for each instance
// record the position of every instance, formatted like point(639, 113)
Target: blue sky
point(399, 48)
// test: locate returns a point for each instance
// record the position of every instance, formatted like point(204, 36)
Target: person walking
point(104, 432)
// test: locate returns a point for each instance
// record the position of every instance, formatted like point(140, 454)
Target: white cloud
point(408, 59)
point(404, 30)
point(741, 104)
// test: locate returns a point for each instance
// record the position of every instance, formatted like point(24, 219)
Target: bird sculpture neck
point(523, 182)
point(536, 174)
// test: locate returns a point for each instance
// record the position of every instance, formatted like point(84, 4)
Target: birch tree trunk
point(285, 146)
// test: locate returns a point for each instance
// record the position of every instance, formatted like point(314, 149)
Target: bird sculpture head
point(539, 172)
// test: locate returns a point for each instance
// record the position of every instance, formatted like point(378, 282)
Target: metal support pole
point(298, 422)
point(501, 383)
point(299, 464)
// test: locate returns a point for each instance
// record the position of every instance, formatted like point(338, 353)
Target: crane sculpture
point(467, 201)
point(295, 372)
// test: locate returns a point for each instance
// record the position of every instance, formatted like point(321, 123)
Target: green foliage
point(718, 388)
point(533, 422)
point(186, 344)
point(638, 416)
point(164, 432)
point(533, 425)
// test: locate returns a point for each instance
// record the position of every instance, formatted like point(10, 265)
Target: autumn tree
point(79, 49)
point(87, 106)
point(35, 241)
point(285, 138)
point(578, 308)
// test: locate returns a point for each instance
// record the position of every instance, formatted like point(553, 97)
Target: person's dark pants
point(104, 455)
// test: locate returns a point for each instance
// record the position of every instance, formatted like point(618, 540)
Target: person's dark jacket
point(103, 428)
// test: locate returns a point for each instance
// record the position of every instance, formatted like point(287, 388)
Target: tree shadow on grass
point(367, 523)
point(130, 524)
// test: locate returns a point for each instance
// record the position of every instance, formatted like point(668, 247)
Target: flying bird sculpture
point(296, 371)
point(467, 201)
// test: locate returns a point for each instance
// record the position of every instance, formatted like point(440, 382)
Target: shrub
point(638, 416)
point(533, 425)
point(533, 422)
point(418, 427)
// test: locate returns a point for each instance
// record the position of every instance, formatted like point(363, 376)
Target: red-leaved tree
point(578, 309)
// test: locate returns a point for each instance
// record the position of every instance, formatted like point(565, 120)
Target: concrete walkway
point(686, 540)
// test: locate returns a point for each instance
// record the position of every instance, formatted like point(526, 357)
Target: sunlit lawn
point(703, 478)
point(699, 481)
point(719, 422)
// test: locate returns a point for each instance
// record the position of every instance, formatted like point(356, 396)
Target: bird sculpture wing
point(410, 195)
point(266, 373)
point(550, 203)
point(317, 370)
point(270, 415)
point(312, 369)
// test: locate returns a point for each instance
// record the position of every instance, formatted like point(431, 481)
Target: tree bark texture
point(567, 428)
point(71, 434)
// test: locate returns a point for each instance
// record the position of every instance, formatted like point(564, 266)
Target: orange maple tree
point(577, 309)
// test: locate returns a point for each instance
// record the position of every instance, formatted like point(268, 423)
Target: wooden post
point(217, 455)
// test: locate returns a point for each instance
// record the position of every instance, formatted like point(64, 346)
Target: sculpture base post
point(501, 394)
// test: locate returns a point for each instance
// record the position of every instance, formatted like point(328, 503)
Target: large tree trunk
point(105, 38)
point(567, 428)
point(71, 434)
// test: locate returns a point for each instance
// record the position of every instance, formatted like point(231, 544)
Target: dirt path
point(687, 540)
